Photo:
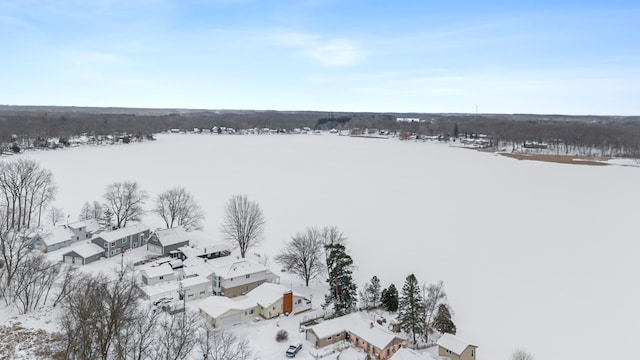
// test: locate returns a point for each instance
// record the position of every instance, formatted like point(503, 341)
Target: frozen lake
point(535, 255)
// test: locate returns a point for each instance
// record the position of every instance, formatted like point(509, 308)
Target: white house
point(194, 288)
point(267, 301)
point(156, 274)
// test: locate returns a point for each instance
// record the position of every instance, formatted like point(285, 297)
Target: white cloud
point(338, 52)
point(327, 52)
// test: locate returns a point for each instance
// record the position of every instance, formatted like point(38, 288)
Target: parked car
point(294, 349)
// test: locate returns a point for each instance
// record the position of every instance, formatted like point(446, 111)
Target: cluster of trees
point(421, 308)
point(124, 202)
point(26, 277)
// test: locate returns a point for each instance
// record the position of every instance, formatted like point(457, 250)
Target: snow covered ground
point(536, 255)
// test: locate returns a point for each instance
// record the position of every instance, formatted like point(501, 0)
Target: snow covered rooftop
point(57, 235)
point(453, 343)
point(264, 295)
point(92, 225)
point(172, 236)
point(357, 324)
point(215, 306)
point(87, 250)
point(237, 268)
point(125, 231)
point(157, 271)
point(163, 289)
point(194, 281)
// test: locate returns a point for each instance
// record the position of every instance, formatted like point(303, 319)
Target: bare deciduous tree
point(177, 207)
point(96, 314)
point(243, 223)
point(33, 282)
point(433, 295)
point(137, 342)
point(176, 336)
point(25, 190)
point(90, 211)
point(217, 344)
point(15, 249)
point(56, 215)
point(332, 235)
point(303, 255)
point(521, 354)
point(125, 200)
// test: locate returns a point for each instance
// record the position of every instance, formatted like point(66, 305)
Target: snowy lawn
point(535, 255)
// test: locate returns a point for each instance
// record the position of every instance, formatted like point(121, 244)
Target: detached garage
point(164, 241)
point(83, 254)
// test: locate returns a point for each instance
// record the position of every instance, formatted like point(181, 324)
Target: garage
point(68, 260)
point(231, 319)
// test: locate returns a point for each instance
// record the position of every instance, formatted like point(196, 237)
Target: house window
point(77, 237)
point(113, 244)
point(472, 353)
point(106, 245)
point(124, 241)
point(329, 338)
point(161, 277)
point(248, 276)
point(190, 295)
point(252, 311)
point(388, 352)
point(202, 292)
point(135, 244)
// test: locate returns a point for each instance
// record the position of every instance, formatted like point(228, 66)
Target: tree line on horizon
point(609, 135)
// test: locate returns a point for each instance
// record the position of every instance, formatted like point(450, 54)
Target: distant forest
point(587, 135)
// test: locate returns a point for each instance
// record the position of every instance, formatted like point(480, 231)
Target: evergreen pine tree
point(107, 219)
point(373, 292)
point(342, 289)
point(411, 308)
point(389, 298)
point(442, 321)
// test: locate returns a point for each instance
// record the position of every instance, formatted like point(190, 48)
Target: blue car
point(293, 349)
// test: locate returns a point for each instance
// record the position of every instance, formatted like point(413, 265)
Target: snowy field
point(535, 255)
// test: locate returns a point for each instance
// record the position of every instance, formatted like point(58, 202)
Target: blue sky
point(564, 57)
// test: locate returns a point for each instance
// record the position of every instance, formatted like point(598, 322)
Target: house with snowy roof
point(60, 236)
point(238, 277)
point(152, 275)
point(167, 240)
point(116, 241)
point(85, 229)
point(54, 238)
point(362, 332)
point(267, 301)
point(456, 348)
point(194, 288)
